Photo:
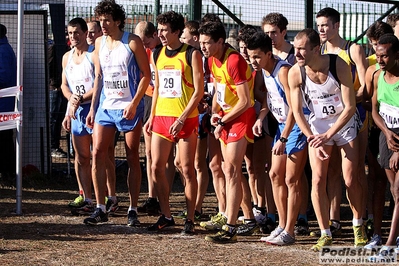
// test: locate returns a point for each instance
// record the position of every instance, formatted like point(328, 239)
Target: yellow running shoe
point(215, 223)
point(324, 240)
point(224, 236)
point(78, 202)
point(360, 235)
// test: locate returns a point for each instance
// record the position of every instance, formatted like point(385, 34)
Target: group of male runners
point(310, 88)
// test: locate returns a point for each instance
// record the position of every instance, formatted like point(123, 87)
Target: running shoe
point(248, 229)
point(272, 235)
point(375, 241)
point(97, 217)
point(301, 227)
point(188, 228)
point(268, 226)
point(282, 239)
point(335, 228)
point(132, 219)
point(386, 254)
point(161, 224)
point(183, 215)
point(369, 227)
point(360, 235)
point(77, 202)
point(86, 209)
point(150, 206)
point(215, 223)
point(259, 217)
point(324, 240)
point(111, 206)
point(224, 236)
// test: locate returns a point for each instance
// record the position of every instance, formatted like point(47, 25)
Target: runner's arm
point(295, 84)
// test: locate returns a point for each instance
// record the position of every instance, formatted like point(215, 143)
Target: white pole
point(18, 148)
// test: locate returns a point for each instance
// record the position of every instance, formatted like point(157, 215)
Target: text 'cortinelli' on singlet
point(121, 74)
point(80, 76)
point(226, 90)
point(388, 98)
point(176, 85)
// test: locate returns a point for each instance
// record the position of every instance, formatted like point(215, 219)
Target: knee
point(148, 153)
point(274, 177)
point(132, 157)
point(352, 183)
point(82, 159)
point(292, 181)
point(215, 167)
point(318, 183)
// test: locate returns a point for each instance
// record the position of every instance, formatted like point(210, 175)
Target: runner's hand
point(321, 153)
point(66, 123)
point(257, 128)
point(394, 162)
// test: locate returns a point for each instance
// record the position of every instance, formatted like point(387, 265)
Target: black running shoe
point(132, 219)
point(188, 228)
point(248, 229)
point(301, 227)
point(86, 209)
point(161, 223)
point(150, 206)
point(268, 226)
point(111, 206)
point(97, 217)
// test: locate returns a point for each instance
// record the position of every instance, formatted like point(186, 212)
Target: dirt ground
point(47, 234)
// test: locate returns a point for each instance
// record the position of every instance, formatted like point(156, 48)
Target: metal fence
point(356, 16)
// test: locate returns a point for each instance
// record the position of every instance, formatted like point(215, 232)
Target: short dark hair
point(275, 19)
point(260, 40)
point(377, 29)
point(210, 17)
point(312, 36)
point(3, 31)
point(192, 27)
point(78, 22)
point(245, 33)
point(109, 7)
point(149, 29)
point(175, 20)
point(390, 39)
point(215, 30)
point(392, 18)
point(330, 13)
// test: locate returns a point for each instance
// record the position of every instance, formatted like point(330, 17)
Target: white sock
point(357, 222)
point(132, 209)
point(113, 198)
point(102, 207)
point(326, 232)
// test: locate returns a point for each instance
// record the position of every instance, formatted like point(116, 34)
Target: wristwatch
point(283, 140)
point(221, 123)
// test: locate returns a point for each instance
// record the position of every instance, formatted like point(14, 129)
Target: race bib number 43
point(327, 108)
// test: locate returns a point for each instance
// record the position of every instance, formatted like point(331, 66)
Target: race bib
point(328, 108)
point(278, 108)
point(82, 86)
point(220, 96)
point(170, 83)
point(390, 114)
point(116, 85)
